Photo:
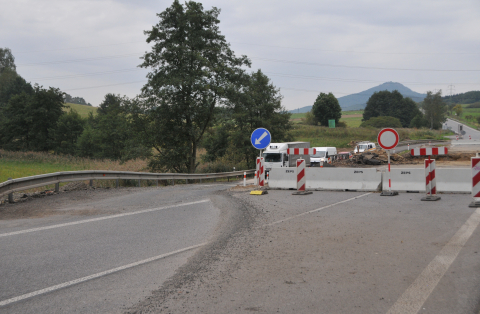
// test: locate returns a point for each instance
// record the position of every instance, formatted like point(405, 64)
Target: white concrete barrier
point(454, 180)
point(360, 179)
point(458, 180)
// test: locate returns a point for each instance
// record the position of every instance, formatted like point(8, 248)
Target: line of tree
point(405, 110)
point(198, 95)
point(75, 100)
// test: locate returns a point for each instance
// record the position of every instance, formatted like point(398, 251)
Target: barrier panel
point(360, 179)
point(455, 180)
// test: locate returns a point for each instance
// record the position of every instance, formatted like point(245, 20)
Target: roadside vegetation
point(16, 164)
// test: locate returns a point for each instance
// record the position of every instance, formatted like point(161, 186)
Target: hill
point(358, 101)
point(81, 109)
point(463, 98)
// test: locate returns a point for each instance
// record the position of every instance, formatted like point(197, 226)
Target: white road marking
point(413, 298)
point(315, 210)
point(101, 274)
point(98, 219)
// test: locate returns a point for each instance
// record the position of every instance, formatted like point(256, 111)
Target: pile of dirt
point(374, 158)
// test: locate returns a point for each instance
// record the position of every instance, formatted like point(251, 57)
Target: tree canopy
point(326, 107)
point(392, 104)
point(7, 60)
point(191, 68)
point(382, 122)
point(435, 109)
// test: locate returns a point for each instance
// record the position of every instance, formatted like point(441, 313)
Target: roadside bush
point(382, 122)
point(340, 124)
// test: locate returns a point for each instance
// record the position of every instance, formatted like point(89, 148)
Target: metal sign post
point(388, 139)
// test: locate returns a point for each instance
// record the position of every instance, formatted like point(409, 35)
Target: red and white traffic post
point(475, 182)
point(388, 139)
point(260, 171)
point(301, 177)
point(430, 181)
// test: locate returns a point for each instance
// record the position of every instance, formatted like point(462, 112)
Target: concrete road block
point(360, 179)
point(455, 180)
point(283, 178)
point(452, 180)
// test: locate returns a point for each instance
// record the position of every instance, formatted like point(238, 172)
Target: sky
point(89, 48)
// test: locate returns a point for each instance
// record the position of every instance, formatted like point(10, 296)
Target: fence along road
point(25, 183)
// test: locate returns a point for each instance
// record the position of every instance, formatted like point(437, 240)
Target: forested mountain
point(463, 98)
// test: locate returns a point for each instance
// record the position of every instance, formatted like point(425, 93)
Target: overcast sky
point(91, 48)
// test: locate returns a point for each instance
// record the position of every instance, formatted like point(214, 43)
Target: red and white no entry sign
point(387, 139)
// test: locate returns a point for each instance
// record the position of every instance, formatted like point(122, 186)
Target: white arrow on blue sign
point(260, 138)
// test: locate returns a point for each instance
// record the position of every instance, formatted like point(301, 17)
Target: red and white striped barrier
point(429, 151)
point(475, 182)
point(261, 171)
point(457, 137)
point(469, 137)
point(301, 180)
point(244, 179)
point(431, 182)
point(476, 177)
point(301, 151)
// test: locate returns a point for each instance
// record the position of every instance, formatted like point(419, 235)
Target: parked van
point(364, 146)
point(324, 155)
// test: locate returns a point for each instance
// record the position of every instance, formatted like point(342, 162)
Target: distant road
point(474, 134)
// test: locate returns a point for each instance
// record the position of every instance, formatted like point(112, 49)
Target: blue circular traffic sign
point(260, 138)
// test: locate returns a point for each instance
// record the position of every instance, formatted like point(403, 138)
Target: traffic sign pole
point(388, 139)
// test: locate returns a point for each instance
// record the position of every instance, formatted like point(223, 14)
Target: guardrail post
point(117, 183)
point(91, 182)
point(10, 196)
point(57, 187)
point(139, 183)
point(214, 179)
point(157, 183)
point(200, 181)
point(173, 181)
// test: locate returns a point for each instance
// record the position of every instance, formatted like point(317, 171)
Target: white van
point(324, 155)
point(364, 146)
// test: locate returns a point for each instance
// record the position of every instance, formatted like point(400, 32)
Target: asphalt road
point(102, 252)
point(203, 249)
point(469, 133)
point(342, 252)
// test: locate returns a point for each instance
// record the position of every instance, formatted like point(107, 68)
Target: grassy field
point(353, 119)
point(342, 137)
point(82, 110)
point(24, 164)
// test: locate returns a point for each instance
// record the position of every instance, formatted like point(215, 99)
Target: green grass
point(342, 137)
point(24, 164)
point(82, 110)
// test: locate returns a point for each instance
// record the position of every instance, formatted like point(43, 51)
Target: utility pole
point(451, 87)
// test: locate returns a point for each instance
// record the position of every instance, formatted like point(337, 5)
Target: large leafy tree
point(109, 134)
point(7, 61)
point(256, 103)
point(27, 119)
point(435, 109)
point(191, 67)
point(66, 133)
point(392, 104)
point(326, 107)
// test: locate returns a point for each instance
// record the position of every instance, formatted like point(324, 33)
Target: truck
point(276, 155)
point(323, 155)
point(364, 146)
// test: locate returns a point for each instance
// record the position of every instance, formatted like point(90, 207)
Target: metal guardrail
point(14, 185)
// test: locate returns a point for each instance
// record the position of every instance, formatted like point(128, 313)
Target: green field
point(352, 122)
point(82, 110)
point(342, 137)
point(25, 164)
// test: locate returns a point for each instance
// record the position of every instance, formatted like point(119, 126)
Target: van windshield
point(363, 146)
point(272, 157)
point(319, 154)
